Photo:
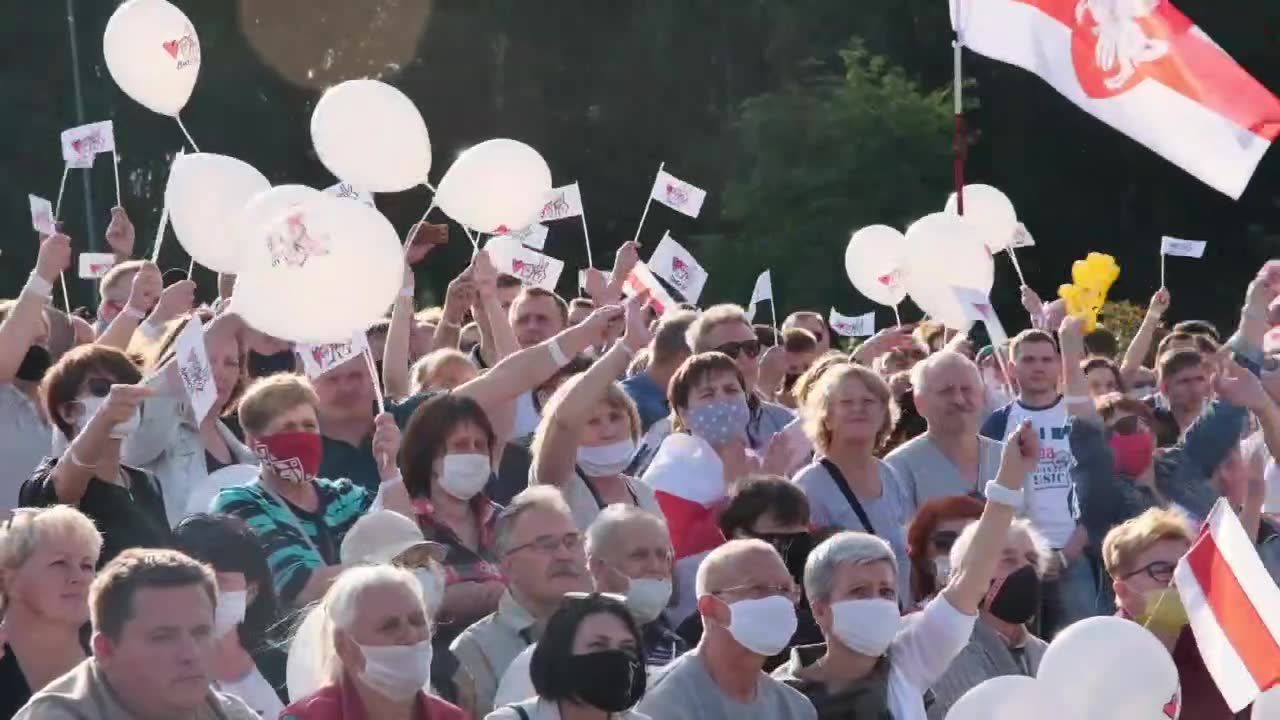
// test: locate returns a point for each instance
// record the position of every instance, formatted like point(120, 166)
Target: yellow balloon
point(1093, 278)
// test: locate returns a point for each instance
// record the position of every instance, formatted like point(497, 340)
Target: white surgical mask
point(606, 460)
point(92, 405)
point(866, 626)
point(647, 598)
point(763, 626)
point(464, 475)
point(397, 671)
point(432, 585)
point(941, 570)
point(230, 611)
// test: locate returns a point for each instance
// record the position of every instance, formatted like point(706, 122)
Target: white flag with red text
point(853, 326)
point(678, 194)
point(81, 144)
point(320, 359)
point(563, 202)
point(1142, 67)
point(1182, 248)
point(671, 262)
point(195, 370)
point(641, 280)
point(1234, 607)
point(532, 267)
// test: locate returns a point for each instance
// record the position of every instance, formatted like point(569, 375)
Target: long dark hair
point(226, 544)
point(428, 431)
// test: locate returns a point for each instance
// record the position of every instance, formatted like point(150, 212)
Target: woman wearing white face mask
point(876, 663)
point(589, 432)
point(446, 462)
point(248, 661)
point(375, 640)
point(92, 396)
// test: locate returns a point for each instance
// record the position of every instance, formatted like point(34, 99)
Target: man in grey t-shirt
point(747, 598)
point(951, 458)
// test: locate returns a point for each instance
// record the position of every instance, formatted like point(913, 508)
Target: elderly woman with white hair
point(876, 663)
point(1001, 643)
point(47, 560)
point(375, 642)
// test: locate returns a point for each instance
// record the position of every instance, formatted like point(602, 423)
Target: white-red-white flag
point(678, 194)
point(563, 202)
point(671, 262)
point(641, 280)
point(1234, 607)
point(1142, 67)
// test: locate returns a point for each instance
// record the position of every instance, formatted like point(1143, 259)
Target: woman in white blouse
point(851, 581)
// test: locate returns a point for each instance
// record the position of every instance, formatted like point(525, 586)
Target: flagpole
point(57, 210)
point(583, 215)
point(1162, 256)
point(187, 134)
point(647, 202)
point(191, 268)
point(896, 316)
point(1014, 257)
point(958, 147)
point(164, 220)
point(115, 156)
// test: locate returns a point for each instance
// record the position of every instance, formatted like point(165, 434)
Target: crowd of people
point(585, 509)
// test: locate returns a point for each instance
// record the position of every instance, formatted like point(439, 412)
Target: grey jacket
point(84, 694)
point(486, 649)
point(986, 656)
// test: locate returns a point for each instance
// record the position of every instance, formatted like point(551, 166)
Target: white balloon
point(991, 209)
point(153, 54)
point(304, 670)
point(496, 186)
point(1114, 667)
point(945, 251)
point(874, 261)
point(1009, 697)
point(318, 270)
point(371, 135)
point(1267, 706)
point(205, 195)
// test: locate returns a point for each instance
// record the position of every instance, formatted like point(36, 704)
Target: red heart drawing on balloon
point(171, 47)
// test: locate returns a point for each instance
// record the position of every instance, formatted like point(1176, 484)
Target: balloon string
point(1017, 267)
point(896, 317)
point(187, 134)
point(430, 207)
point(62, 185)
point(430, 187)
point(475, 244)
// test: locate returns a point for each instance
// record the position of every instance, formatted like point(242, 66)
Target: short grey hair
point(604, 530)
point(669, 339)
point(710, 318)
point(541, 497)
point(723, 555)
point(1020, 526)
point(846, 547)
point(920, 371)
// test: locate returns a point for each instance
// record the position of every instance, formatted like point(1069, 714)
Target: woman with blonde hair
point(589, 433)
point(373, 635)
point(47, 560)
point(846, 416)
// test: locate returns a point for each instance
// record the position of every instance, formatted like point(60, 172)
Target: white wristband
point(38, 286)
point(557, 355)
point(1002, 495)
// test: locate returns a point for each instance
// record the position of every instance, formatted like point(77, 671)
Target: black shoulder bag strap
point(520, 711)
point(852, 499)
point(595, 495)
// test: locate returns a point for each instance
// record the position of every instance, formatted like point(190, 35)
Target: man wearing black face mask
point(1001, 644)
point(268, 356)
point(24, 358)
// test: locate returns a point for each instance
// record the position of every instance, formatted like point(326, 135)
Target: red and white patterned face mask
point(294, 456)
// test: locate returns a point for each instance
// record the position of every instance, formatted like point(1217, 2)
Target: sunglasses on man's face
point(736, 348)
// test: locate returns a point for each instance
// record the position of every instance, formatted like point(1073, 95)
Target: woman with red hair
point(929, 539)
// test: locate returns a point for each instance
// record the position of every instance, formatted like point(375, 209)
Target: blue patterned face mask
point(720, 421)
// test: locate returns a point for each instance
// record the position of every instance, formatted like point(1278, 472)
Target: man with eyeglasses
point(541, 555)
point(1140, 555)
point(746, 597)
point(724, 328)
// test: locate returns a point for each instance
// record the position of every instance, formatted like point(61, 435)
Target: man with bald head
point(747, 600)
point(950, 458)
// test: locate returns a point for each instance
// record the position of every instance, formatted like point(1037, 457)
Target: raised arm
point(559, 448)
point(395, 350)
point(120, 235)
point(25, 321)
point(533, 366)
point(460, 295)
point(971, 580)
point(165, 304)
point(76, 466)
point(1079, 401)
point(1140, 345)
point(501, 335)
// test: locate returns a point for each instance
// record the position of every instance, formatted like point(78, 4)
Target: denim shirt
point(1182, 473)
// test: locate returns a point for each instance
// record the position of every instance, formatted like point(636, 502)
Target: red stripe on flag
point(1234, 611)
point(695, 528)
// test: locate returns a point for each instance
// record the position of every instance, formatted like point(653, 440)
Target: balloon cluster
point(1102, 667)
point(310, 266)
point(938, 253)
point(1092, 278)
